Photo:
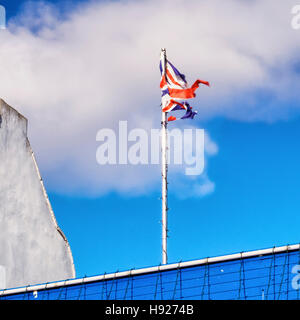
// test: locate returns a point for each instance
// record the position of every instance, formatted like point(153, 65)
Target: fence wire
point(267, 277)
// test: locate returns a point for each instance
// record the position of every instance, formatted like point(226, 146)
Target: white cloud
point(205, 188)
point(85, 71)
point(210, 147)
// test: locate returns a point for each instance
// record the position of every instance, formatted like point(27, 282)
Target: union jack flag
point(173, 86)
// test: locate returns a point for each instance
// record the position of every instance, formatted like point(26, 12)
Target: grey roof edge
point(2, 102)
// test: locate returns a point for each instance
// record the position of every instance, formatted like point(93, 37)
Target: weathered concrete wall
point(32, 247)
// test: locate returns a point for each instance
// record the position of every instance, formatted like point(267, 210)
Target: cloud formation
point(76, 73)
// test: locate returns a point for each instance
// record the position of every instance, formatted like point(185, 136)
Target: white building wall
point(32, 247)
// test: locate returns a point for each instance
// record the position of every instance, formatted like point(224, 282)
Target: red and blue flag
point(174, 87)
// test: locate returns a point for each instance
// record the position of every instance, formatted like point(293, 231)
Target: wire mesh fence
point(269, 277)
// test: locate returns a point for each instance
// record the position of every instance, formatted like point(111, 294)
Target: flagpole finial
point(163, 56)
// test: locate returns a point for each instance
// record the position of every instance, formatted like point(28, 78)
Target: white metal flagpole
point(164, 172)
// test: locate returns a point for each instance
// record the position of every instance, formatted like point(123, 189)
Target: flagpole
point(164, 171)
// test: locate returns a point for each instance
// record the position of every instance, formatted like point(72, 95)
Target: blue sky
point(255, 203)
point(13, 7)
